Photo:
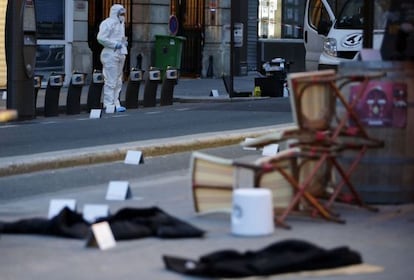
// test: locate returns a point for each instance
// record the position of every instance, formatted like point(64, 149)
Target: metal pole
point(232, 10)
point(20, 40)
point(368, 24)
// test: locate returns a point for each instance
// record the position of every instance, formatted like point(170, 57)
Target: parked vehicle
point(332, 37)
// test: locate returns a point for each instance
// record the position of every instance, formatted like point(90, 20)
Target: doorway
point(190, 15)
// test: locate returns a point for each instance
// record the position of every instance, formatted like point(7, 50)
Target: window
point(50, 58)
point(51, 49)
point(50, 17)
point(281, 18)
point(317, 13)
point(352, 15)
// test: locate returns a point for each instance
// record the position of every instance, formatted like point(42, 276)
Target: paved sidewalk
point(186, 90)
point(383, 239)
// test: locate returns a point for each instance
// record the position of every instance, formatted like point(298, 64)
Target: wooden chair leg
point(301, 192)
point(345, 180)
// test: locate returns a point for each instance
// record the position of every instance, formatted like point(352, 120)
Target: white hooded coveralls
point(111, 36)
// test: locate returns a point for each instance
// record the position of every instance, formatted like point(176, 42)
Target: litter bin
point(272, 84)
point(168, 50)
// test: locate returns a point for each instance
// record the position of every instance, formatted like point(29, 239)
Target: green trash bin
point(168, 50)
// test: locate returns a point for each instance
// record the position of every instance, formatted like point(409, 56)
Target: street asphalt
point(186, 90)
point(384, 239)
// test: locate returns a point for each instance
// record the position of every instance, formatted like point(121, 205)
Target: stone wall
point(214, 45)
point(150, 18)
point(81, 53)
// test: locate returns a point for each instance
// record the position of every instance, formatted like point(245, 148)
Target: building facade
point(67, 33)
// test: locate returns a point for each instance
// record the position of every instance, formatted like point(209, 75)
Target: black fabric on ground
point(131, 223)
point(66, 224)
point(280, 257)
point(127, 223)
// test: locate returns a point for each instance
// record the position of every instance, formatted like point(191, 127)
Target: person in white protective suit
point(111, 36)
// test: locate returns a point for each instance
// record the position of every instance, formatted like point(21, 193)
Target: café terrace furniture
point(213, 180)
point(320, 127)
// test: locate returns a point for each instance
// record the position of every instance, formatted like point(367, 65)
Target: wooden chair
point(345, 130)
point(314, 97)
point(213, 180)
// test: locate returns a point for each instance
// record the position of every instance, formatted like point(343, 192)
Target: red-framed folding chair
point(213, 181)
point(314, 97)
point(214, 178)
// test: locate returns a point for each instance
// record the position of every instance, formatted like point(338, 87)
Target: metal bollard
point(132, 90)
point(74, 93)
point(95, 91)
point(52, 94)
point(150, 90)
point(167, 88)
point(37, 80)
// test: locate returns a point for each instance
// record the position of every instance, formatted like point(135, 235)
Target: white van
point(333, 31)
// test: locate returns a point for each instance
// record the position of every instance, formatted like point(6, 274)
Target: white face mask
point(121, 19)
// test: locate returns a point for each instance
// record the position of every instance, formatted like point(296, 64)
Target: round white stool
point(252, 213)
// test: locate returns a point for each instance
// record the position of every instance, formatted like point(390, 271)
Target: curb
point(110, 153)
point(62, 109)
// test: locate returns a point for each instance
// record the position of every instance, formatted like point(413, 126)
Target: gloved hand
point(118, 46)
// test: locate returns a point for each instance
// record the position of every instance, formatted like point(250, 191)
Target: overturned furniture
point(320, 127)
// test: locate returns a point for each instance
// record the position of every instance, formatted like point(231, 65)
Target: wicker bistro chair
point(213, 180)
point(314, 97)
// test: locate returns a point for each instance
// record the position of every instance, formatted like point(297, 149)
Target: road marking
point(8, 125)
point(153, 112)
point(84, 119)
point(120, 116)
point(182, 109)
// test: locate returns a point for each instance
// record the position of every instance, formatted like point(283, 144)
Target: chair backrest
point(312, 98)
point(282, 190)
point(212, 180)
